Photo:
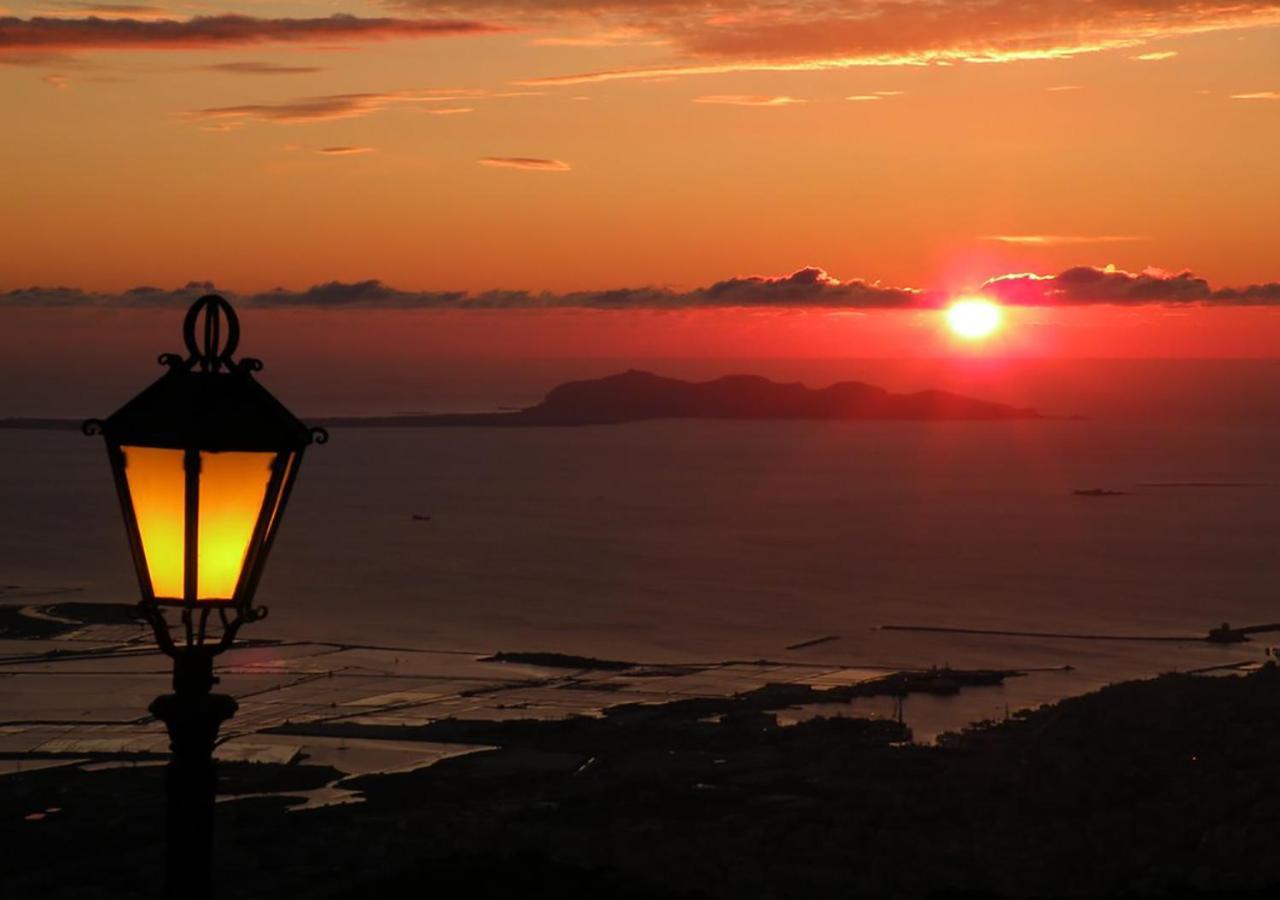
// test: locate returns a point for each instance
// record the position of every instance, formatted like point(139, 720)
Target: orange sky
point(550, 145)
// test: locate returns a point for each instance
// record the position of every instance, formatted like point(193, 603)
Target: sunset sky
point(671, 172)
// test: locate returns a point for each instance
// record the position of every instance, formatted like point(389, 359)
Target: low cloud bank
point(1109, 285)
point(807, 288)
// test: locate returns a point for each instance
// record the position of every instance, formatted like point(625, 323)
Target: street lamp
point(203, 460)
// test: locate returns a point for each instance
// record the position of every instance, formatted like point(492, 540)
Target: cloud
point(48, 33)
point(105, 10)
point(619, 37)
point(1155, 57)
point(525, 162)
point(1109, 285)
point(138, 297)
point(807, 288)
point(317, 109)
point(1052, 240)
point(1260, 95)
point(748, 100)
point(346, 151)
point(326, 107)
point(718, 36)
point(114, 9)
point(305, 109)
point(810, 286)
point(876, 95)
point(251, 67)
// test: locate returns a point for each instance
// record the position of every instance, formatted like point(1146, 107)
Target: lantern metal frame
point(207, 401)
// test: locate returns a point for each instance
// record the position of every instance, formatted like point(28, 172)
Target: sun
point(973, 319)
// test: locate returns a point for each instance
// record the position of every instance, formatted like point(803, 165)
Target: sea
point(699, 541)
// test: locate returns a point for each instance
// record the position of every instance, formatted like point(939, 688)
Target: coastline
point(1151, 788)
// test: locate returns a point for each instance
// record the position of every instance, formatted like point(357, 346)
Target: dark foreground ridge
point(1156, 789)
point(637, 396)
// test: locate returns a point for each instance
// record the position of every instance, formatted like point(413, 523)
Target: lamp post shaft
point(193, 716)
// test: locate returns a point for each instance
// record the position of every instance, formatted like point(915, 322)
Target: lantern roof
point(207, 400)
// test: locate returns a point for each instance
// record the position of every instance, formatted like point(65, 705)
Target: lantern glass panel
point(157, 489)
point(289, 465)
point(233, 489)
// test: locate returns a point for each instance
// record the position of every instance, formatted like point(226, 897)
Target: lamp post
point(204, 460)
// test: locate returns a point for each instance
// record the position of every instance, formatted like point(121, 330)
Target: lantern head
point(204, 460)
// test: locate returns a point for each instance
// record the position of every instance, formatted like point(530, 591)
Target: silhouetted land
point(52, 620)
point(1163, 788)
point(636, 396)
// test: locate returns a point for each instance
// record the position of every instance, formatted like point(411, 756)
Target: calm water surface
point(673, 541)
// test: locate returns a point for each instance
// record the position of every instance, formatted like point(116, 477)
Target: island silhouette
point(635, 396)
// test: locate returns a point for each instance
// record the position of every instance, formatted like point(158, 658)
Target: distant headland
point(637, 396)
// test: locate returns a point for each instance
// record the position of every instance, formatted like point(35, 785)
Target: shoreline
point(1142, 789)
point(310, 681)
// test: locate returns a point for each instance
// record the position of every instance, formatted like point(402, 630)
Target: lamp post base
point(193, 717)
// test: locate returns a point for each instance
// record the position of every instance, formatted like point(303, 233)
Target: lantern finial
point(215, 347)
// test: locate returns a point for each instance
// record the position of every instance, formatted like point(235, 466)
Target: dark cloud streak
point(527, 163)
point(1092, 285)
point(254, 67)
point(96, 33)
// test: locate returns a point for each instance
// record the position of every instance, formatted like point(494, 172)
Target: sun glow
point(973, 319)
